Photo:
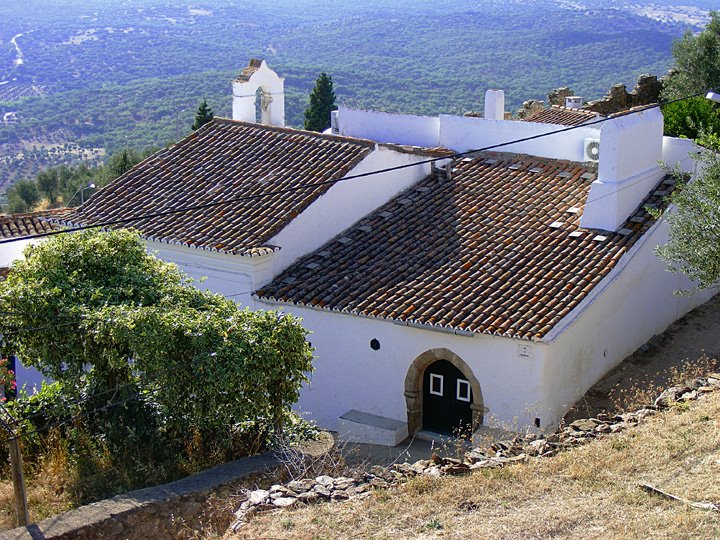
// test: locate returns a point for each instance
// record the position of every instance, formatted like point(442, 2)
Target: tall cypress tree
point(203, 115)
point(322, 102)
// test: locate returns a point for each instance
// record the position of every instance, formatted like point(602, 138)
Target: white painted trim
point(433, 377)
point(466, 384)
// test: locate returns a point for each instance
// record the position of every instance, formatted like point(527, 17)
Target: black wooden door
point(446, 399)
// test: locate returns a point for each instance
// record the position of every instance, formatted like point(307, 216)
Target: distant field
point(109, 74)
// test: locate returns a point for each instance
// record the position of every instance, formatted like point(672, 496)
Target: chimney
point(495, 105)
point(573, 102)
point(628, 169)
point(256, 78)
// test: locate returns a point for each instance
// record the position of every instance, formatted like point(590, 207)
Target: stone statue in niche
point(265, 100)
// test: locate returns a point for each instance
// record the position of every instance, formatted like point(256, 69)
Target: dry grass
point(589, 492)
point(48, 488)
point(636, 392)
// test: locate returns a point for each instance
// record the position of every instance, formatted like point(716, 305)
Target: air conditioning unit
point(334, 127)
point(592, 150)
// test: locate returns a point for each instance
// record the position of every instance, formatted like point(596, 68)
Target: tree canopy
point(693, 247)
point(697, 61)
point(59, 186)
point(696, 70)
point(203, 115)
point(112, 316)
point(322, 103)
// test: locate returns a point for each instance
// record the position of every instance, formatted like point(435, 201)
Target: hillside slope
point(587, 492)
point(109, 74)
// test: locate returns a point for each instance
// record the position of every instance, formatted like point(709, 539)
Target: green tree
point(121, 164)
point(48, 183)
point(113, 316)
point(697, 61)
point(23, 196)
point(693, 246)
point(322, 102)
point(691, 118)
point(203, 115)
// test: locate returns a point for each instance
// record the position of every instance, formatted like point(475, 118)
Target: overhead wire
point(8, 425)
point(191, 208)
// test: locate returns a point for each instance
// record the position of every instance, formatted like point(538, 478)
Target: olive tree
point(693, 247)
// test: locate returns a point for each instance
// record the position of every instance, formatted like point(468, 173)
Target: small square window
point(436, 384)
point(463, 390)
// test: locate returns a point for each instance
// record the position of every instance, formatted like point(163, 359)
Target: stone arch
point(414, 391)
point(258, 77)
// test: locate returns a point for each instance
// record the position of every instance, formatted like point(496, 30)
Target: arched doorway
point(439, 362)
point(446, 399)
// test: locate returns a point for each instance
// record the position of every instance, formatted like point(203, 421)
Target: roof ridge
point(287, 129)
point(38, 213)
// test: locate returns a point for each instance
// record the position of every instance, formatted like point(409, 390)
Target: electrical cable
point(455, 155)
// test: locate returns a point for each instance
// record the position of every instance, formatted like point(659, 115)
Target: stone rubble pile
point(499, 454)
point(311, 490)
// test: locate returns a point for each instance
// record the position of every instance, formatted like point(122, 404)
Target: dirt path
point(695, 336)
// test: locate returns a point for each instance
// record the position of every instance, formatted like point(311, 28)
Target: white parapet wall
point(463, 133)
point(631, 150)
point(388, 127)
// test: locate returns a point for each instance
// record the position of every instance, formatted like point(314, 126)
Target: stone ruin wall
point(646, 91)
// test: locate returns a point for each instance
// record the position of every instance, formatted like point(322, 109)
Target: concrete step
point(362, 427)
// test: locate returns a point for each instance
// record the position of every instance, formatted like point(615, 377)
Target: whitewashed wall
point(462, 133)
point(388, 127)
point(633, 303)
point(631, 148)
point(350, 375)
point(27, 377)
point(345, 203)
point(12, 251)
point(226, 274)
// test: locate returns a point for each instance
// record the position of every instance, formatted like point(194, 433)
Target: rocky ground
point(521, 448)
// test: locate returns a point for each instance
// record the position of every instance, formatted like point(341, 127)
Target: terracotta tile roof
point(14, 225)
point(223, 160)
point(562, 116)
point(496, 250)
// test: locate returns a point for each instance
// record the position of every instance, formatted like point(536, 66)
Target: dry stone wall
point(175, 510)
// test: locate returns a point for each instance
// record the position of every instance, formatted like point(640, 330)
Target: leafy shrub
point(691, 118)
point(155, 377)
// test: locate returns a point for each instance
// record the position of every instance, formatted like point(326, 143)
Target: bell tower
point(258, 77)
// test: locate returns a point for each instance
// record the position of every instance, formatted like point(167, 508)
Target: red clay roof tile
point(562, 116)
point(31, 223)
point(223, 160)
point(476, 253)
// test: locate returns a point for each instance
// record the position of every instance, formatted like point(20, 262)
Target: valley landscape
point(444, 323)
point(81, 80)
